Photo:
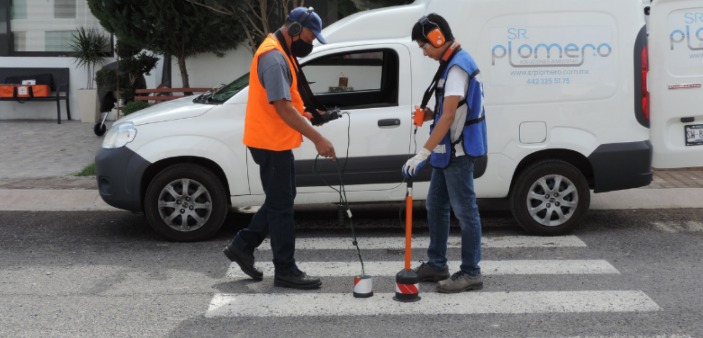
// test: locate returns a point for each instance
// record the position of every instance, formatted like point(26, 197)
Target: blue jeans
point(275, 217)
point(454, 187)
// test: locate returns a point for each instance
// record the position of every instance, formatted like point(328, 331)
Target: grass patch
point(89, 170)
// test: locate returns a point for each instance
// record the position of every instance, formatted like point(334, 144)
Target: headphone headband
point(425, 21)
point(297, 26)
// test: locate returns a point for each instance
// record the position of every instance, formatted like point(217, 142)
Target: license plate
point(694, 135)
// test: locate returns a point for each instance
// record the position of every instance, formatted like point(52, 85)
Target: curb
point(89, 200)
point(669, 198)
point(52, 200)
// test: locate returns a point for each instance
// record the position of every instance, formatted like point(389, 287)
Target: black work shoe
point(296, 279)
point(245, 261)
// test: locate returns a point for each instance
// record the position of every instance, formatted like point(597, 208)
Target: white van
point(675, 79)
point(567, 108)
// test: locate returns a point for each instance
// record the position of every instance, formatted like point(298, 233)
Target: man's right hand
point(325, 148)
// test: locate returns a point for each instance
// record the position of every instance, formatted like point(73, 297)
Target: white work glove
point(415, 163)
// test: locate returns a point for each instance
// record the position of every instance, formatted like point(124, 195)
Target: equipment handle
point(419, 116)
point(408, 224)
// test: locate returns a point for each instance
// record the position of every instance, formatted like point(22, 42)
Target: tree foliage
point(184, 28)
point(133, 63)
point(255, 18)
point(258, 18)
point(89, 48)
point(176, 27)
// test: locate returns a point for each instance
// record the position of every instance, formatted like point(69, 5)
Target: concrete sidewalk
point(40, 160)
point(89, 200)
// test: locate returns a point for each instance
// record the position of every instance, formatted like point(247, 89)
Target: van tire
point(194, 215)
point(539, 203)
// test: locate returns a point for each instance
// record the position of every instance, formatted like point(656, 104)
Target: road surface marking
point(390, 268)
point(344, 304)
point(370, 243)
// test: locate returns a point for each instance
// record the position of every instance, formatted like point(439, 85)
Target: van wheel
point(550, 197)
point(186, 202)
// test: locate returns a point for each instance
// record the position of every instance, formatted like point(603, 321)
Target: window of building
point(3, 20)
point(42, 27)
point(4, 27)
point(65, 9)
point(19, 9)
point(57, 40)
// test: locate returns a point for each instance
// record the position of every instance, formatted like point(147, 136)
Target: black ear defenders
point(297, 27)
point(434, 36)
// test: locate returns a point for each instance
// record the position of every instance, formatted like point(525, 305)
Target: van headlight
point(118, 136)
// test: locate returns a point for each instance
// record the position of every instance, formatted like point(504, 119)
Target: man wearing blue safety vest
point(457, 139)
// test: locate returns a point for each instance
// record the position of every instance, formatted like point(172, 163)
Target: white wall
point(205, 70)
point(44, 110)
point(208, 70)
point(78, 79)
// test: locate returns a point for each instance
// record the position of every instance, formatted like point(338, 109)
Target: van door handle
point(389, 123)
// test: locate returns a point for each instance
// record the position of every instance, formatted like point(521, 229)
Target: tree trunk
point(184, 73)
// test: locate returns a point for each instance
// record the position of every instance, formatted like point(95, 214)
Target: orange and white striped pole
point(406, 285)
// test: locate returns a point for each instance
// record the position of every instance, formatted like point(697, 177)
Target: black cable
point(343, 201)
point(346, 158)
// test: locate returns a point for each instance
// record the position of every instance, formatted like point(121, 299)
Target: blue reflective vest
point(473, 136)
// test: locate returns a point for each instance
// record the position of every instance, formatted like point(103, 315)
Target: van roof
point(383, 23)
point(396, 22)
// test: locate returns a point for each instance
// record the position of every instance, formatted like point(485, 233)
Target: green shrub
point(133, 106)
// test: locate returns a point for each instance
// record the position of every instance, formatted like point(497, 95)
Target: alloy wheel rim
point(185, 205)
point(552, 200)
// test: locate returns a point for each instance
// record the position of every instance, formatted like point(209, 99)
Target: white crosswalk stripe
point(372, 243)
point(260, 301)
point(377, 268)
point(337, 304)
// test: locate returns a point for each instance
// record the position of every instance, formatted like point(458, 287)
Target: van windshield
point(224, 93)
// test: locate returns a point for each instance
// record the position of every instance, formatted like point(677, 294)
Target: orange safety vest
point(263, 127)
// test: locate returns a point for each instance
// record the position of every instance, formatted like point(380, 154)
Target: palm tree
point(89, 47)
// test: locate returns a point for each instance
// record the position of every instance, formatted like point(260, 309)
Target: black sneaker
point(296, 279)
point(245, 262)
point(426, 273)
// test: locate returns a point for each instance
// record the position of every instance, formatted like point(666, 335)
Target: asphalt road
point(627, 273)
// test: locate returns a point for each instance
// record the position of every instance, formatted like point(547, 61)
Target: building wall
point(47, 110)
point(209, 70)
point(42, 110)
point(36, 34)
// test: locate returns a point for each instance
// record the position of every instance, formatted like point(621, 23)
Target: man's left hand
point(415, 163)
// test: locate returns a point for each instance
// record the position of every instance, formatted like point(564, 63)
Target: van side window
point(355, 79)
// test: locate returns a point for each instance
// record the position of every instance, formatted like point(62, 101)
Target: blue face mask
point(300, 48)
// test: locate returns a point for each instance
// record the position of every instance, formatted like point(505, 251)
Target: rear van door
point(676, 82)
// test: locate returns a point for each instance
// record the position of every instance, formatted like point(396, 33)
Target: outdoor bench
point(59, 85)
point(165, 94)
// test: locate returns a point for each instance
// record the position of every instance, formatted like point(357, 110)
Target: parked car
point(567, 108)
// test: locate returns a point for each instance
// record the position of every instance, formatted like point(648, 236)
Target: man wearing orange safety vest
point(275, 124)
